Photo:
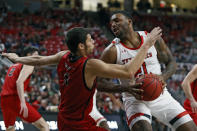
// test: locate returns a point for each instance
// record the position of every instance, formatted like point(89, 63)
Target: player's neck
point(81, 53)
point(132, 40)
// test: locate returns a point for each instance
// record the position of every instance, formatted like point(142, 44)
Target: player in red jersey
point(77, 76)
point(13, 103)
point(190, 88)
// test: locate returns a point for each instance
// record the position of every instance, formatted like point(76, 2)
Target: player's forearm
point(111, 88)
point(30, 60)
point(20, 91)
point(170, 70)
point(187, 90)
point(135, 63)
point(107, 86)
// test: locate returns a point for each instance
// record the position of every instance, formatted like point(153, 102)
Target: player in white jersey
point(139, 113)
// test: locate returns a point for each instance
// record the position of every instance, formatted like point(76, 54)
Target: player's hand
point(136, 91)
point(194, 106)
point(24, 110)
point(11, 56)
point(161, 79)
point(154, 35)
point(133, 88)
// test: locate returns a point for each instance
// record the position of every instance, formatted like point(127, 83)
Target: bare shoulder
point(109, 55)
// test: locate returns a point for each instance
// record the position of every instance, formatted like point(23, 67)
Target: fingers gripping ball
point(151, 85)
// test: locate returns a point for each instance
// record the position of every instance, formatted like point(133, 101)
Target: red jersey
point(194, 93)
point(9, 86)
point(76, 98)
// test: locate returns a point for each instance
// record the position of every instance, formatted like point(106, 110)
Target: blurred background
point(44, 23)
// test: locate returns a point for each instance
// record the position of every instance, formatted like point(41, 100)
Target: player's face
point(119, 25)
point(89, 46)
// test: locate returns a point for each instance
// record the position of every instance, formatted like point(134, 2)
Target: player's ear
point(130, 21)
point(81, 46)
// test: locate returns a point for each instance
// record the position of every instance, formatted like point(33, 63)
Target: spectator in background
point(143, 5)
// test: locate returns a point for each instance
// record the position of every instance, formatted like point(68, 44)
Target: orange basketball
point(151, 85)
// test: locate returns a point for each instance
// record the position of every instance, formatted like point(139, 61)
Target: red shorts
point(10, 106)
point(70, 125)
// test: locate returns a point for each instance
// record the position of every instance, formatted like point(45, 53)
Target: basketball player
point(13, 102)
point(122, 50)
point(77, 76)
point(189, 86)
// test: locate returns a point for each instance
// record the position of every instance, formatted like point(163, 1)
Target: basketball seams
point(147, 85)
point(154, 90)
point(151, 85)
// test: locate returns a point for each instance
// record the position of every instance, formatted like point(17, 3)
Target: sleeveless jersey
point(9, 86)
point(125, 54)
point(76, 98)
point(194, 93)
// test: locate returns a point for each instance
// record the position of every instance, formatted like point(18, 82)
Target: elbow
point(184, 84)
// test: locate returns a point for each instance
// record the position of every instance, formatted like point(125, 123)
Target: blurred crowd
point(47, 29)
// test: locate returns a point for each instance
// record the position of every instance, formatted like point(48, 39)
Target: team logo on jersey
point(124, 61)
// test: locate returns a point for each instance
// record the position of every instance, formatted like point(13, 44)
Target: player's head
point(79, 39)
point(121, 23)
point(30, 50)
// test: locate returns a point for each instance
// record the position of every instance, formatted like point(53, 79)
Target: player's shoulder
point(115, 41)
point(111, 48)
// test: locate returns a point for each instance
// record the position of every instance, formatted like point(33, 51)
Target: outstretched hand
point(133, 88)
point(153, 36)
point(136, 91)
point(11, 56)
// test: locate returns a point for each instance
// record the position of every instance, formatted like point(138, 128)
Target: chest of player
point(125, 55)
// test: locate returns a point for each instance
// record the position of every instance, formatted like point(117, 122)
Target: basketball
point(151, 85)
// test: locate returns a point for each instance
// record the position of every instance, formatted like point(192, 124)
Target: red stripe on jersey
point(178, 117)
point(144, 68)
point(142, 41)
point(100, 119)
point(133, 117)
point(113, 42)
point(146, 32)
point(182, 114)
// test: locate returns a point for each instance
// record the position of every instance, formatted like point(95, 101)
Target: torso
point(76, 97)
point(125, 54)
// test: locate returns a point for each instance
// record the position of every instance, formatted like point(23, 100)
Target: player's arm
point(165, 56)
point(104, 85)
point(36, 60)
point(191, 76)
point(99, 68)
point(24, 74)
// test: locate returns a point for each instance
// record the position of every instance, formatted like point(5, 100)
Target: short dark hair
point(75, 36)
point(125, 13)
point(29, 49)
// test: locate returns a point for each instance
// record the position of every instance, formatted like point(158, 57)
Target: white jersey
point(125, 54)
point(164, 108)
